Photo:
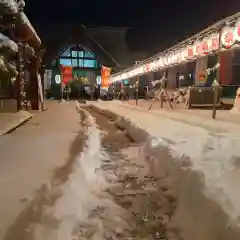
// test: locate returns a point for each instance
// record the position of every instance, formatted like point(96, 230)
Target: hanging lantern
point(213, 42)
point(154, 65)
point(190, 53)
point(169, 59)
point(161, 62)
point(204, 46)
point(197, 48)
point(185, 54)
point(174, 57)
point(227, 37)
point(237, 30)
point(178, 56)
point(147, 67)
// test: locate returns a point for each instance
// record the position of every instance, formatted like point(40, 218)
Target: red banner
point(105, 74)
point(66, 74)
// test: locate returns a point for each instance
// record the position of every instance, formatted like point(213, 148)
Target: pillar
point(22, 81)
point(201, 67)
point(172, 78)
point(33, 86)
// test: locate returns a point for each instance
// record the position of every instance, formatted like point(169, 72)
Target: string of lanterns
point(230, 35)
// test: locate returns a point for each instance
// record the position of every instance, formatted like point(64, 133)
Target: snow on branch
point(8, 43)
point(24, 20)
point(8, 6)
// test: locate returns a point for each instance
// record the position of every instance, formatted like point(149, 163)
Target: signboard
point(47, 79)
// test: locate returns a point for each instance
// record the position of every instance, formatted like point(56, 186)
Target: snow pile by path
point(83, 196)
point(214, 155)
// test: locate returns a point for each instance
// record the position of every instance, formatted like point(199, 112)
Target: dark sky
point(155, 22)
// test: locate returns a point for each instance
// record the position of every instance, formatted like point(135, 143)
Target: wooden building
point(212, 54)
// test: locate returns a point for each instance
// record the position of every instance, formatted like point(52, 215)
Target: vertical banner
point(66, 74)
point(47, 79)
point(105, 75)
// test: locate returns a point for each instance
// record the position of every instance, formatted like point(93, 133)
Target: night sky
point(154, 24)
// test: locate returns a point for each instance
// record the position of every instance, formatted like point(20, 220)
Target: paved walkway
point(9, 121)
point(29, 156)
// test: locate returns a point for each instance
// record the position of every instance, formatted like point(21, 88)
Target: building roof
point(65, 35)
point(108, 43)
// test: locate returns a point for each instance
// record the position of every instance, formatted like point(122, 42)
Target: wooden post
point(136, 88)
point(216, 87)
point(119, 91)
point(161, 98)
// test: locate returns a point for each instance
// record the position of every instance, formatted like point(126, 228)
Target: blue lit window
point(74, 54)
point(80, 54)
point(80, 63)
point(66, 61)
point(75, 62)
point(90, 63)
point(78, 57)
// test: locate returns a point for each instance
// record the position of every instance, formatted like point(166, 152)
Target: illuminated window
point(80, 62)
point(75, 62)
point(74, 54)
point(90, 63)
point(66, 61)
point(80, 54)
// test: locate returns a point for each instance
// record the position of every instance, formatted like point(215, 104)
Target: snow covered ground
point(214, 155)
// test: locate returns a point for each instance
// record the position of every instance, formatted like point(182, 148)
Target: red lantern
point(237, 31)
point(228, 37)
point(197, 50)
point(190, 52)
point(204, 46)
point(213, 42)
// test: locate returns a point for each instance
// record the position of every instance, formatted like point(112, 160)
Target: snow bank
point(214, 156)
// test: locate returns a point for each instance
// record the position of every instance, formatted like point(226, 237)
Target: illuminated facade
point(79, 56)
point(85, 69)
point(196, 59)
